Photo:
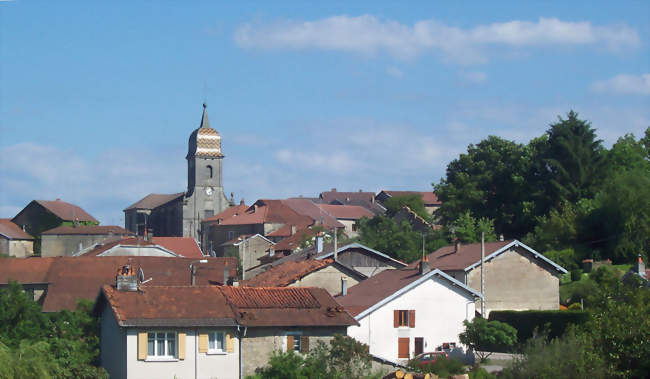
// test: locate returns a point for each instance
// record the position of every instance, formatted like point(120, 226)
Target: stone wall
point(59, 245)
point(16, 248)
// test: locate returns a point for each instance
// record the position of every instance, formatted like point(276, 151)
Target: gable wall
point(252, 249)
point(328, 278)
point(366, 263)
point(515, 280)
point(440, 310)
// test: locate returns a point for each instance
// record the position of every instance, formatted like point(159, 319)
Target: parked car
point(425, 359)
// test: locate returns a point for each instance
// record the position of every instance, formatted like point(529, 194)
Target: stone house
point(348, 215)
point(516, 276)
point(41, 215)
point(68, 240)
point(248, 249)
point(324, 273)
point(14, 242)
point(208, 332)
point(405, 312)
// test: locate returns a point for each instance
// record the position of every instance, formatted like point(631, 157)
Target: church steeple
point(204, 119)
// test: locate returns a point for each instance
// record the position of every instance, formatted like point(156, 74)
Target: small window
point(209, 171)
point(403, 318)
point(208, 213)
point(216, 342)
point(294, 341)
point(161, 345)
point(231, 235)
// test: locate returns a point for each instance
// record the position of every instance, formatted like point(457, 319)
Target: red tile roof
point(346, 197)
point(185, 246)
point(372, 290)
point(66, 211)
point(227, 213)
point(12, 231)
point(268, 211)
point(284, 274)
point(446, 259)
point(352, 212)
point(308, 208)
point(429, 198)
point(165, 306)
point(293, 242)
point(73, 278)
point(88, 229)
point(154, 200)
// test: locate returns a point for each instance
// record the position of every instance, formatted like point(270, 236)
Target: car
point(425, 359)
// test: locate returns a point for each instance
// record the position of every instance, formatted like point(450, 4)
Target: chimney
point(501, 238)
point(639, 267)
point(456, 245)
point(344, 286)
point(126, 279)
point(293, 229)
point(319, 243)
point(255, 208)
point(424, 265)
point(241, 202)
point(271, 252)
point(226, 275)
point(333, 190)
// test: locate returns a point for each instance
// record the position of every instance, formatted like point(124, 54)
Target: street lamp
point(193, 270)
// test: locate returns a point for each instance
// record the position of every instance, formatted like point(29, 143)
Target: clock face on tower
point(208, 191)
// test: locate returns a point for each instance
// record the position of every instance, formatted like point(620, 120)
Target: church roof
point(205, 141)
point(154, 200)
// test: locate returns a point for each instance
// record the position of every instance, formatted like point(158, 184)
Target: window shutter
point(203, 343)
point(412, 318)
point(395, 318)
point(304, 344)
point(230, 343)
point(289, 343)
point(142, 346)
point(181, 345)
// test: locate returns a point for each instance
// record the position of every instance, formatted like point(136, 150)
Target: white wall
point(207, 365)
point(440, 310)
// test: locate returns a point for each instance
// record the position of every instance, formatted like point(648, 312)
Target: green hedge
point(556, 322)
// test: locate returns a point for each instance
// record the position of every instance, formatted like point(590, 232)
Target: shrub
point(576, 275)
point(443, 367)
point(526, 322)
point(480, 373)
point(485, 336)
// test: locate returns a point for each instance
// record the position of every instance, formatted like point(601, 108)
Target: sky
point(98, 99)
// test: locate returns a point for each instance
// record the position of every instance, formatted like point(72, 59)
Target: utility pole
point(482, 275)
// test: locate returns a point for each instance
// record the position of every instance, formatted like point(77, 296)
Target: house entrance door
point(419, 345)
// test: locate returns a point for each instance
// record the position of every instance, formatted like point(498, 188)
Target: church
point(180, 214)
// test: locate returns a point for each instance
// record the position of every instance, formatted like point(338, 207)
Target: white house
point(208, 331)
point(405, 312)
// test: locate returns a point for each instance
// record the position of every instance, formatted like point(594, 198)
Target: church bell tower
point(205, 196)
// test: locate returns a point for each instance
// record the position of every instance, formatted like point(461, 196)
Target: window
point(208, 213)
point(161, 344)
point(209, 171)
point(404, 318)
point(231, 235)
point(297, 342)
point(216, 342)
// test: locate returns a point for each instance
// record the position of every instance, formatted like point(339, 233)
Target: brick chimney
point(126, 279)
point(424, 265)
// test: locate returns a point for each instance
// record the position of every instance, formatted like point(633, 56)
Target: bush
point(576, 275)
point(484, 337)
point(555, 323)
point(480, 373)
point(443, 367)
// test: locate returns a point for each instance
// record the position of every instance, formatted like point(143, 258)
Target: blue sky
point(97, 100)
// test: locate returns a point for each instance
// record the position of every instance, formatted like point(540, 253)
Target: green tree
point(481, 334)
point(27, 360)
point(413, 201)
point(20, 317)
point(489, 181)
point(468, 229)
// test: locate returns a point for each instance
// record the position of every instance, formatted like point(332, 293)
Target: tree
point(489, 181)
point(467, 229)
point(481, 334)
point(413, 201)
point(20, 317)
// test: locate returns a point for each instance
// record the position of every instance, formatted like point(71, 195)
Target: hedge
point(555, 322)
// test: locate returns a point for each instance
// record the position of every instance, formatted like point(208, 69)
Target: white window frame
point(166, 339)
point(296, 337)
point(212, 336)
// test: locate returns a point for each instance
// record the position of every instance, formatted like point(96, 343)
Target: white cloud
point(472, 77)
point(624, 84)
point(368, 34)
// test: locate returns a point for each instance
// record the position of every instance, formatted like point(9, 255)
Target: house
point(273, 219)
point(59, 282)
point(173, 247)
point(430, 200)
point(249, 249)
point(322, 273)
point(307, 207)
point(516, 277)
point(180, 214)
point(206, 332)
point(408, 311)
point(348, 215)
point(41, 215)
point(361, 198)
point(66, 240)
point(14, 242)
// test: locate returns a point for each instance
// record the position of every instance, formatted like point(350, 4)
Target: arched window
point(209, 169)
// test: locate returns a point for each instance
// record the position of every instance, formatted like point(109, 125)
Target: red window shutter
point(412, 318)
point(395, 318)
point(403, 348)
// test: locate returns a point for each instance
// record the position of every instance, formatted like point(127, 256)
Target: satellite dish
point(140, 275)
